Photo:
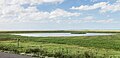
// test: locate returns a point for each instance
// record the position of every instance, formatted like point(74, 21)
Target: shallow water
point(61, 34)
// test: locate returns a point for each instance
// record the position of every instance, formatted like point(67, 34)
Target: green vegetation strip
point(63, 47)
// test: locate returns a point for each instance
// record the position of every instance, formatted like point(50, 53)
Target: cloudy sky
point(59, 14)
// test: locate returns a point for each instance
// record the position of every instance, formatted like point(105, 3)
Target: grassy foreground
point(63, 47)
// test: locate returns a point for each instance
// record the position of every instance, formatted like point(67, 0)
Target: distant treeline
point(102, 31)
point(61, 31)
point(76, 32)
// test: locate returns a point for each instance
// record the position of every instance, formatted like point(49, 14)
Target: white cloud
point(90, 19)
point(55, 1)
point(16, 13)
point(87, 7)
point(118, 0)
point(111, 7)
point(31, 14)
point(94, 0)
point(94, 20)
point(62, 13)
point(31, 2)
point(103, 6)
point(12, 11)
point(87, 19)
point(106, 21)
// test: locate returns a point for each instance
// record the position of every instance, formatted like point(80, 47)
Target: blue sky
point(59, 14)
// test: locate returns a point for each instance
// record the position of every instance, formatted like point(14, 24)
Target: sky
point(59, 14)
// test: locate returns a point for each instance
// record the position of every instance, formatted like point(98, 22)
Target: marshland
point(100, 46)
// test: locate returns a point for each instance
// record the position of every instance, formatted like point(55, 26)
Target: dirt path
point(7, 55)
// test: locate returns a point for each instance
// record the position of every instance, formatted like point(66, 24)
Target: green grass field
point(63, 47)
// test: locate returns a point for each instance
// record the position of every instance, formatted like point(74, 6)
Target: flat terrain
point(63, 47)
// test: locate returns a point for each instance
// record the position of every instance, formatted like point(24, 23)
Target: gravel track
point(7, 55)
